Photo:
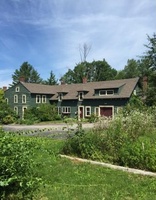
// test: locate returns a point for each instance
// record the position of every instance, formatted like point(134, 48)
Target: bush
point(7, 115)
point(83, 144)
point(128, 140)
point(17, 176)
point(45, 112)
point(140, 154)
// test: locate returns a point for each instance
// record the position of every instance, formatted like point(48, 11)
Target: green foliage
point(94, 71)
point(139, 154)
point(83, 144)
point(51, 80)
point(65, 179)
point(127, 140)
point(7, 115)
point(28, 72)
point(131, 70)
point(44, 112)
point(93, 118)
point(17, 176)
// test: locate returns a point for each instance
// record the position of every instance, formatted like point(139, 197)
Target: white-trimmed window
point(38, 98)
point(17, 89)
point(7, 100)
point(88, 111)
point(96, 111)
point(66, 109)
point(59, 110)
point(44, 99)
point(16, 110)
point(106, 92)
point(24, 98)
point(15, 98)
point(60, 97)
point(81, 96)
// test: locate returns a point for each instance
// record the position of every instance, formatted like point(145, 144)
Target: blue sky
point(48, 33)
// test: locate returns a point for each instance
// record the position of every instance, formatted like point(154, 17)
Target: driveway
point(58, 131)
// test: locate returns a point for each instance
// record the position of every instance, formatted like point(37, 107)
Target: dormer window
point(17, 89)
point(106, 92)
point(81, 96)
point(60, 97)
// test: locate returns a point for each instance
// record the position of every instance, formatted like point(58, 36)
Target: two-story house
point(102, 98)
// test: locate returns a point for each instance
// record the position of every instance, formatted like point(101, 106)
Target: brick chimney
point(144, 83)
point(84, 80)
point(22, 79)
point(4, 88)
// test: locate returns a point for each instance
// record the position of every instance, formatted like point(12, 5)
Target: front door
point(106, 111)
point(81, 112)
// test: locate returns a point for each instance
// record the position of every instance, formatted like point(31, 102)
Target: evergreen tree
point(51, 80)
point(28, 72)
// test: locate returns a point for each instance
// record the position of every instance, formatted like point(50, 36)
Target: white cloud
point(49, 34)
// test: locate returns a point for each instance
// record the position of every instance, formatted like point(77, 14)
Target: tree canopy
point(28, 72)
point(94, 71)
point(51, 80)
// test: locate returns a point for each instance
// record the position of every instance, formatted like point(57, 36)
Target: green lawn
point(68, 180)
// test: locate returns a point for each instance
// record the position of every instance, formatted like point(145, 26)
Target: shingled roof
point(71, 90)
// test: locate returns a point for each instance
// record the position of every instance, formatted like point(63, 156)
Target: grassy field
point(68, 180)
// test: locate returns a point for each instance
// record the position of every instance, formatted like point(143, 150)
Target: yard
point(65, 179)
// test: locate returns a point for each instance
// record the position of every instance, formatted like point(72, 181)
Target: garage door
point(106, 111)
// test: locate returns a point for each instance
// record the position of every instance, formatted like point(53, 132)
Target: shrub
point(45, 112)
point(128, 140)
point(83, 144)
point(7, 115)
point(140, 154)
point(17, 176)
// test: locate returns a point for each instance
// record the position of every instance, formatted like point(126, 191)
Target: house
point(102, 98)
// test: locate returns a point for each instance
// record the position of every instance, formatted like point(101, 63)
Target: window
point(17, 89)
point(60, 97)
point(96, 111)
point(81, 95)
point(59, 110)
point(66, 109)
point(110, 92)
point(15, 98)
point(16, 110)
point(24, 108)
point(102, 92)
point(24, 98)
point(43, 98)
point(88, 111)
point(38, 98)
point(106, 92)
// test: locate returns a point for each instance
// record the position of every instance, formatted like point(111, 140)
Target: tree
point(94, 71)
point(84, 51)
point(101, 71)
point(51, 80)
point(131, 70)
point(28, 72)
point(150, 54)
point(150, 60)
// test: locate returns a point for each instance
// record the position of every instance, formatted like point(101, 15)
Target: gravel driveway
point(57, 131)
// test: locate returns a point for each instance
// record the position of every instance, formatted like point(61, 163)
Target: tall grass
point(128, 140)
